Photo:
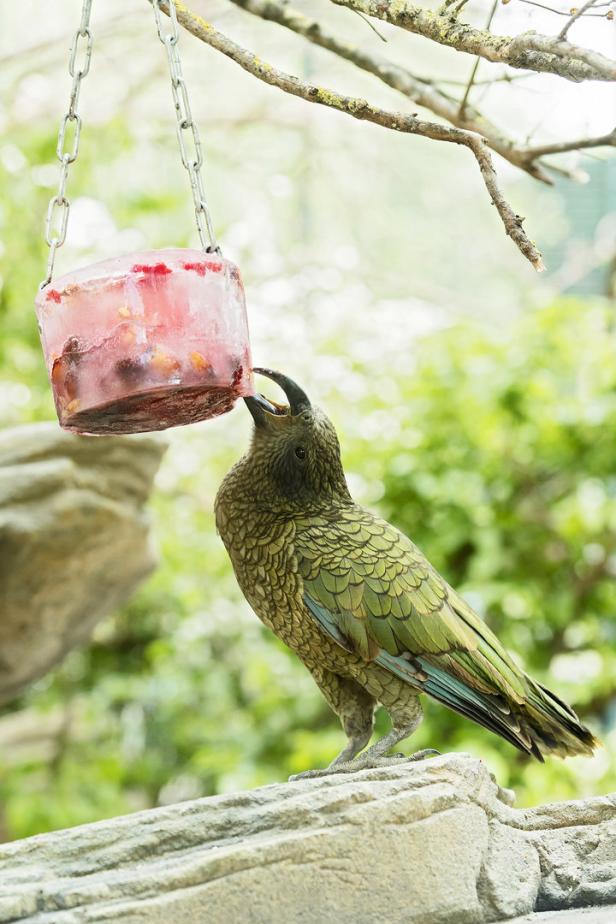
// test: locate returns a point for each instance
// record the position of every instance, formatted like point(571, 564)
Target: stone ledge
point(428, 843)
point(606, 915)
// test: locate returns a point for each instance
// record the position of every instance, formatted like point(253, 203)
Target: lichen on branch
point(359, 108)
point(542, 53)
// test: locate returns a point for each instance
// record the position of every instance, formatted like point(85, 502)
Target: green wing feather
point(373, 591)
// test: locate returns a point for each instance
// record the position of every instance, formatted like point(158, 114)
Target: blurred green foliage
point(507, 480)
point(493, 449)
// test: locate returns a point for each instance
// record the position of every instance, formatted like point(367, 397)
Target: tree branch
point(560, 147)
point(529, 50)
point(567, 13)
point(419, 90)
point(577, 14)
point(530, 47)
point(471, 80)
point(360, 109)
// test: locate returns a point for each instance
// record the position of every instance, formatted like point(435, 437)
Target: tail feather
point(536, 721)
point(555, 724)
point(542, 723)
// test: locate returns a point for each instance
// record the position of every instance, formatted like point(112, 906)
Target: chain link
point(67, 150)
point(187, 132)
point(59, 206)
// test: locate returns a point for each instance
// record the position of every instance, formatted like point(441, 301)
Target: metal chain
point(59, 206)
point(187, 132)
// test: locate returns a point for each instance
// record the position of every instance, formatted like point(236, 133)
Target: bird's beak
point(296, 396)
point(259, 407)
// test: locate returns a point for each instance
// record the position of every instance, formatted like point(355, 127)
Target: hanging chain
point(188, 134)
point(59, 206)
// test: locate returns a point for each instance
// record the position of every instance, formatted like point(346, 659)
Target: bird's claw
point(310, 774)
point(426, 752)
point(352, 766)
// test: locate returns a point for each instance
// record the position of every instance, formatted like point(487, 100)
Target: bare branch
point(579, 12)
point(418, 89)
point(528, 46)
point(502, 78)
point(471, 79)
point(551, 9)
point(578, 144)
point(528, 51)
point(421, 90)
point(371, 25)
point(360, 109)
point(469, 85)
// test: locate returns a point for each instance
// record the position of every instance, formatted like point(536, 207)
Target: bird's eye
point(300, 452)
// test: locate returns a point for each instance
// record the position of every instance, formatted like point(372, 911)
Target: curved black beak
point(296, 396)
point(258, 406)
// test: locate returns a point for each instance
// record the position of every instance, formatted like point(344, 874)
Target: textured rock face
point(73, 540)
point(428, 843)
point(606, 915)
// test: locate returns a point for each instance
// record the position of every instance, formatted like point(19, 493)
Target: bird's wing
point(382, 594)
point(372, 590)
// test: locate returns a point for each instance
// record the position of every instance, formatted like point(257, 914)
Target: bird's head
point(295, 453)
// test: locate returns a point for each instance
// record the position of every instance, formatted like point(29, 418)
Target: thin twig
point(503, 78)
point(550, 9)
point(360, 109)
point(476, 64)
point(578, 144)
point(371, 25)
point(457, 7)
point(562, 35)
point(578, 176)
point(469, 85)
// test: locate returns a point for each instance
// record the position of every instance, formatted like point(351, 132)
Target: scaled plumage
point(365, 611)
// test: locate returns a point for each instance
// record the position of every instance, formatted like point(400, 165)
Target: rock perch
point(434, 842)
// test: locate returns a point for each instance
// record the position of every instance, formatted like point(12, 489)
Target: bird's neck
point(243, 490)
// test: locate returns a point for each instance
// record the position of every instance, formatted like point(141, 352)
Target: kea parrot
point(360, 605)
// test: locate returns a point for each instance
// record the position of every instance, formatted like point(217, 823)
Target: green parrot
point(360, 605)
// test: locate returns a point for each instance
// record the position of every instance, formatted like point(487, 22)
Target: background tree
point(475, 400)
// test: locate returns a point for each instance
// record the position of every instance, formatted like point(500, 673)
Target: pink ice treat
point(146, 341)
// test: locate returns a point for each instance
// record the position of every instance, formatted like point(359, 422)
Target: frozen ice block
point(146, 341)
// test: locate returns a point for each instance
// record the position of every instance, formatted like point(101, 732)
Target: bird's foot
point(348, 766)
point(426, 752)
point(363, 763)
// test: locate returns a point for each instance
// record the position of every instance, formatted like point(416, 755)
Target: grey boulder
point(74, 540)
